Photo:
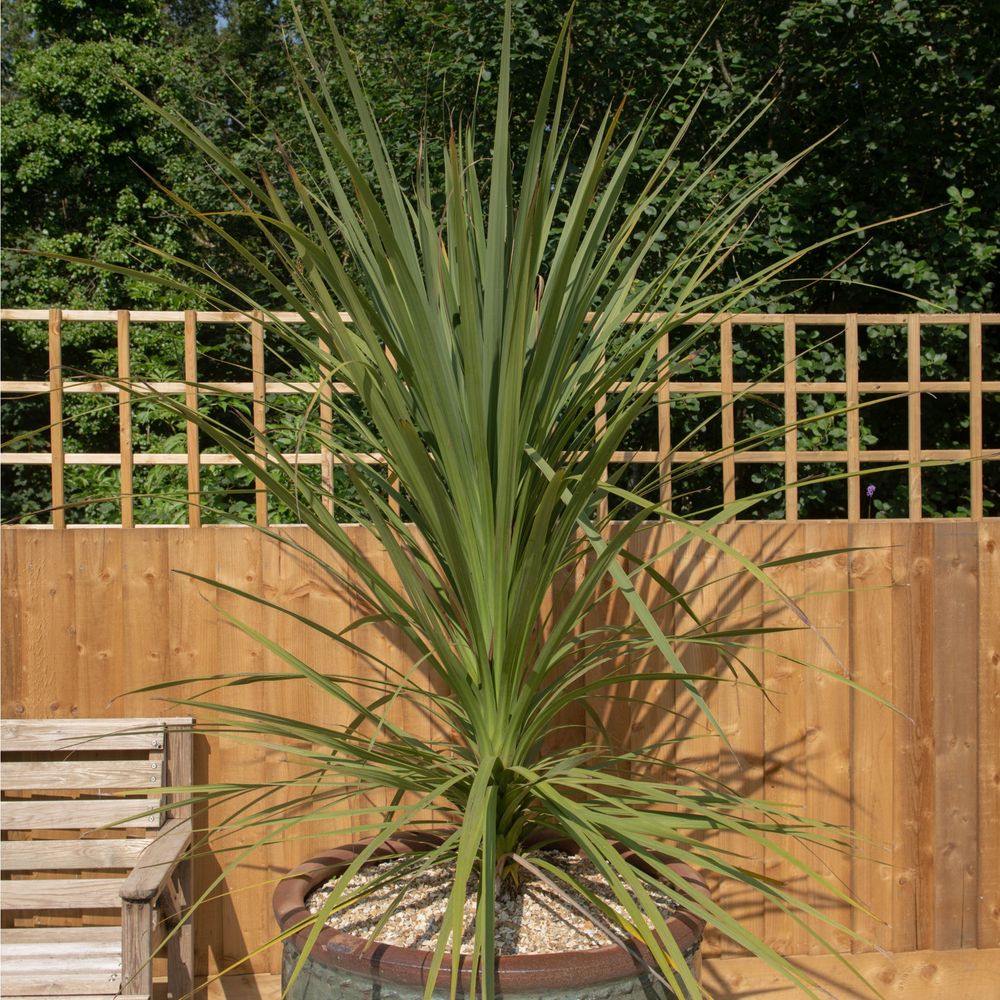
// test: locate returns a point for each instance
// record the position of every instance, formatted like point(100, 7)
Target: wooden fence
point(912, 614)
point(850, 394)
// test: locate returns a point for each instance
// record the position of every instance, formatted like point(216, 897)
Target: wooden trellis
point(726, 389)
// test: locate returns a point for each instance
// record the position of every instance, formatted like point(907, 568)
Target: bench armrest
point(156, 863)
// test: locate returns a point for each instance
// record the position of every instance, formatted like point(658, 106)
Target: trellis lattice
point(786, 381)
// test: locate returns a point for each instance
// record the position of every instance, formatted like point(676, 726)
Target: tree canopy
point(901, 94)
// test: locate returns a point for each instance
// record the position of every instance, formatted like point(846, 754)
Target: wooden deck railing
point(983, 338)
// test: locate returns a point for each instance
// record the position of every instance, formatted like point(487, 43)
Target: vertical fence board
point(100, 624)
point(288, 580)
point(618, 723)
point(956, 606)
point(238, 563)
point(193, 633)
point(699, 567)
point(291, 579)
point(874, 729)
point(913, 633)
point(785, 731)
point(383, 642)
point(988, 700)
point(12, 634)
point(145, 584)
point(739, 709)
point(46, 576)
point(828, 739)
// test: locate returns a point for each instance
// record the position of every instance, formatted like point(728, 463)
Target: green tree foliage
point(904, 93)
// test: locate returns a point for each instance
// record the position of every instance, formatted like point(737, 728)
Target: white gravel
point(534, 920)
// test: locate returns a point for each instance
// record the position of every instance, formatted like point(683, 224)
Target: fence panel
point(912, 615)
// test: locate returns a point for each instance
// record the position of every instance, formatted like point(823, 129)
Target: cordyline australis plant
point(498, 350)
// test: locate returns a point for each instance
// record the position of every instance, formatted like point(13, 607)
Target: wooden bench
point(74, 849)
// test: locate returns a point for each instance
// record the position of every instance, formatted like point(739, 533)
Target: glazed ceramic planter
point(340, 968)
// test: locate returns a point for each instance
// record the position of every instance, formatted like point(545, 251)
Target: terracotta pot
point(340, 967)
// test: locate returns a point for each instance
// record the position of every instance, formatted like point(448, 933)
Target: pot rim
point(411, 966)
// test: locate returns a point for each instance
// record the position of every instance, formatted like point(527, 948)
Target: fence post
point(791, 415)
point(191, 401)
point(125, 422)
point(56, 419)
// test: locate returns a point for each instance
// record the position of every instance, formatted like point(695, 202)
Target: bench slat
point(24, 735)
point(78, 937)
point(79, 814)
point(43, 855)
point(77, 774)
point(60, 984)
point(26, 959)
point(78, 996)
point(62, 894)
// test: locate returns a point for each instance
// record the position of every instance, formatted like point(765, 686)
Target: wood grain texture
point(786, 729)
point(100, 619)
point(87, 996)
point(240, 563)
point(62, 894)
point(955, 723)
point(191, 429)
point(874, 732)
point(791, 494)
point(922, 975)
point(56, 446)
point(88, 735)
point(825, 603)
point(156, 863)
point(82, 955)
point(191, 624)
point(55, 855)
point(145, 570)
point(81, 938)
point(81, 774)
point(740, 711)
point(53, 983)
point(988, 700)
point(913, 623)
point(259, 407)
point(125, 420)
point(137, 942)
point(852, 401)
point(180, 948)
point(82, 814)
point(915, 480)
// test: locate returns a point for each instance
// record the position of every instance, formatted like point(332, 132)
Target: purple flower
point(870, 490)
